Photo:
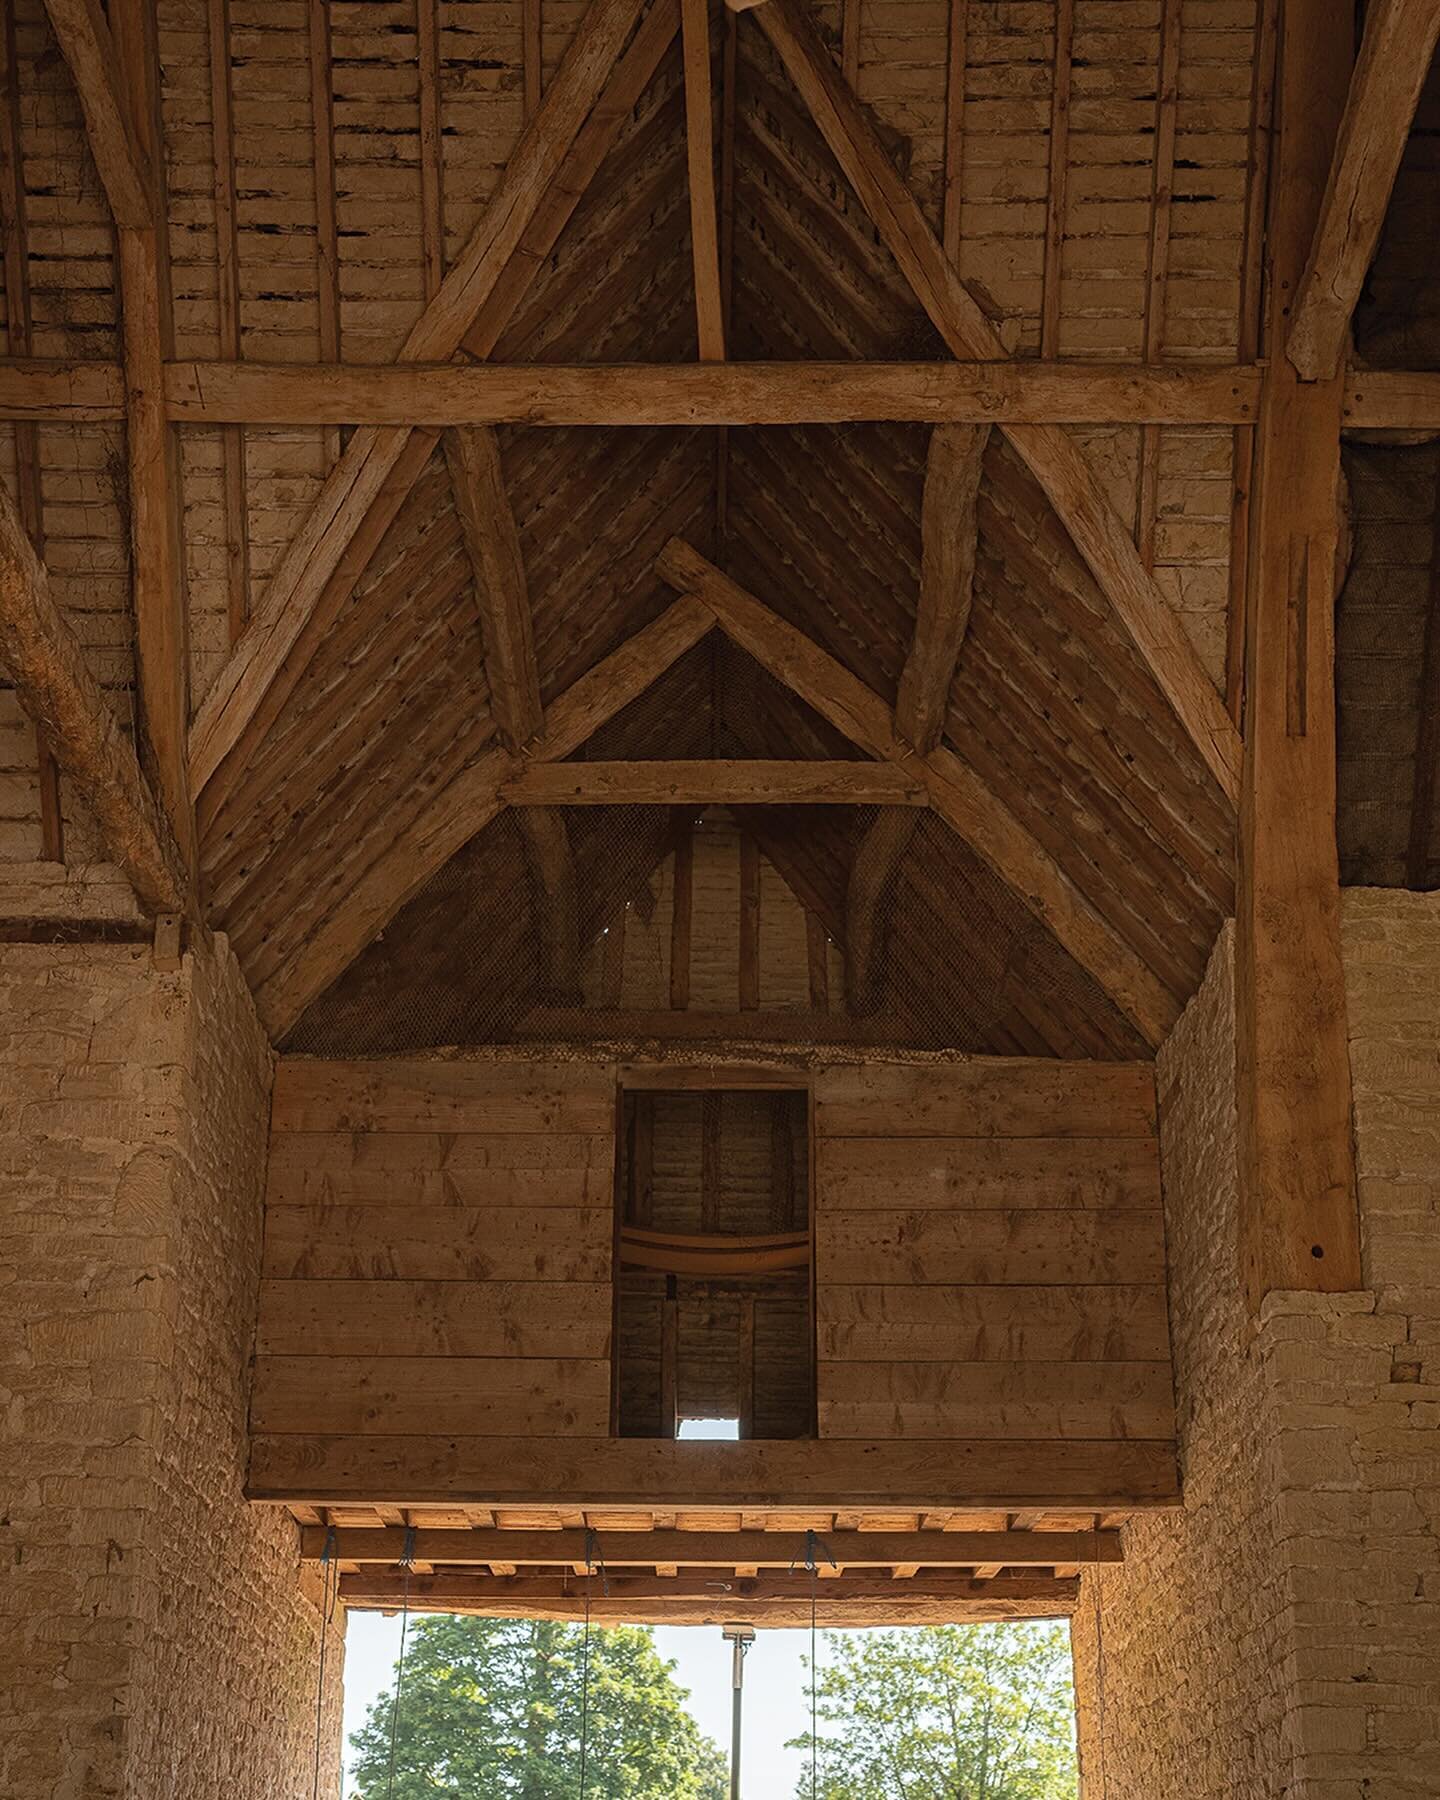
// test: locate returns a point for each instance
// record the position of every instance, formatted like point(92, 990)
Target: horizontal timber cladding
point(437, 1254)
point(990, 1254)
point(436, 1314)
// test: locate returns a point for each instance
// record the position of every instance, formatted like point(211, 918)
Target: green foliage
point(960, 1712)
point(490, 1710)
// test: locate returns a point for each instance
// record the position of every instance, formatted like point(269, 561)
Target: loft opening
point(714, 1313)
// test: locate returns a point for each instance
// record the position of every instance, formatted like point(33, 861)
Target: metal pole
point(740, 1637)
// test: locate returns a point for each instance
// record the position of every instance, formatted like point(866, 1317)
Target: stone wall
point(154, 1632)
point(1281, 1636)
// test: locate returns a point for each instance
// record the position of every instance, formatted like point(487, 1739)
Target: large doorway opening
point(491, 1708)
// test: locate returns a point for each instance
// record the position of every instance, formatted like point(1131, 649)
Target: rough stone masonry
point(155, 1631)
point(1281, 1636)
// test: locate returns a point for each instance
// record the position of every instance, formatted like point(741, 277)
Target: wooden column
point(1300, 1227)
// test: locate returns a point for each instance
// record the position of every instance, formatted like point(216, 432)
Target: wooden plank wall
point(437, 1251)
point(990, 1248)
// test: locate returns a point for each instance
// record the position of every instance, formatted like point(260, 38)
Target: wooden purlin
point(119, 141)
point(700, 152)
point(1057, 462)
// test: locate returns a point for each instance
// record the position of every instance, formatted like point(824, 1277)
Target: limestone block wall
point(154, 1635)
point(1281, 1635)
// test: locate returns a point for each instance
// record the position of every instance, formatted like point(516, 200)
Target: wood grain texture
point(530, 1097)
point(1300, 1221)
point(988, 1097)
point(947, 573)
point(758, 393)
point(410, 1470)
point(475, 1396)
point(126, 172)
point(983, 1247)
point(1053, 1401)
point(945, 1172)
point(718, 782)
point(340, 1317)
point(875, 1322)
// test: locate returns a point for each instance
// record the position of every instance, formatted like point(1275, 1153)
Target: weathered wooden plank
point(347, 1155)
point(772, 393)
point(721, 782)
point(431, 1096)
point(996, 1248)
point(434, 1318)
point(477, 1396)
point(453, 1243)
point(410, 1470)
point(1390, 72)
point(700, 1549)
point(79, 392)
point(883, 1173)
point(987, 1097)
point(496, 1186)
point(1052, 1401)
point(906, 1324)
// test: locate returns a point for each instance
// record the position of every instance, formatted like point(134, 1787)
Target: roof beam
point(955, 792)
point(712, 1549)
point(768, 393)
point(493, 545)
point(872, 875)
point(700, 168)
point(718, 782)
point(66, 392)
point(777, 1601)
point(1390, 72)
point(359, 477)
point(46, 661)
point(1392, 400)
point(465, 806)
point(126, 172)
point(1057, 463)
point(948, 543)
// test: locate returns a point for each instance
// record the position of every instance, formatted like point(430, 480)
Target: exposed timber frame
point(46, 661)
point(953, 790)
point(1057, 463)
point(1300, 1222)
point(1390, 72)
point(318, 551)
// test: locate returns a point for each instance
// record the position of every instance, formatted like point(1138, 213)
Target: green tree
point(490, 1710)
point(960, 1712)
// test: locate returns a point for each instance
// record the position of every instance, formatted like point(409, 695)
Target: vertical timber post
point(1300, 1225)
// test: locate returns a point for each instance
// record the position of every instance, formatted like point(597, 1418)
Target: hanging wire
point(814, 1544)
point(590, 1558)
point(329, 1598)
point(407, 1563)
